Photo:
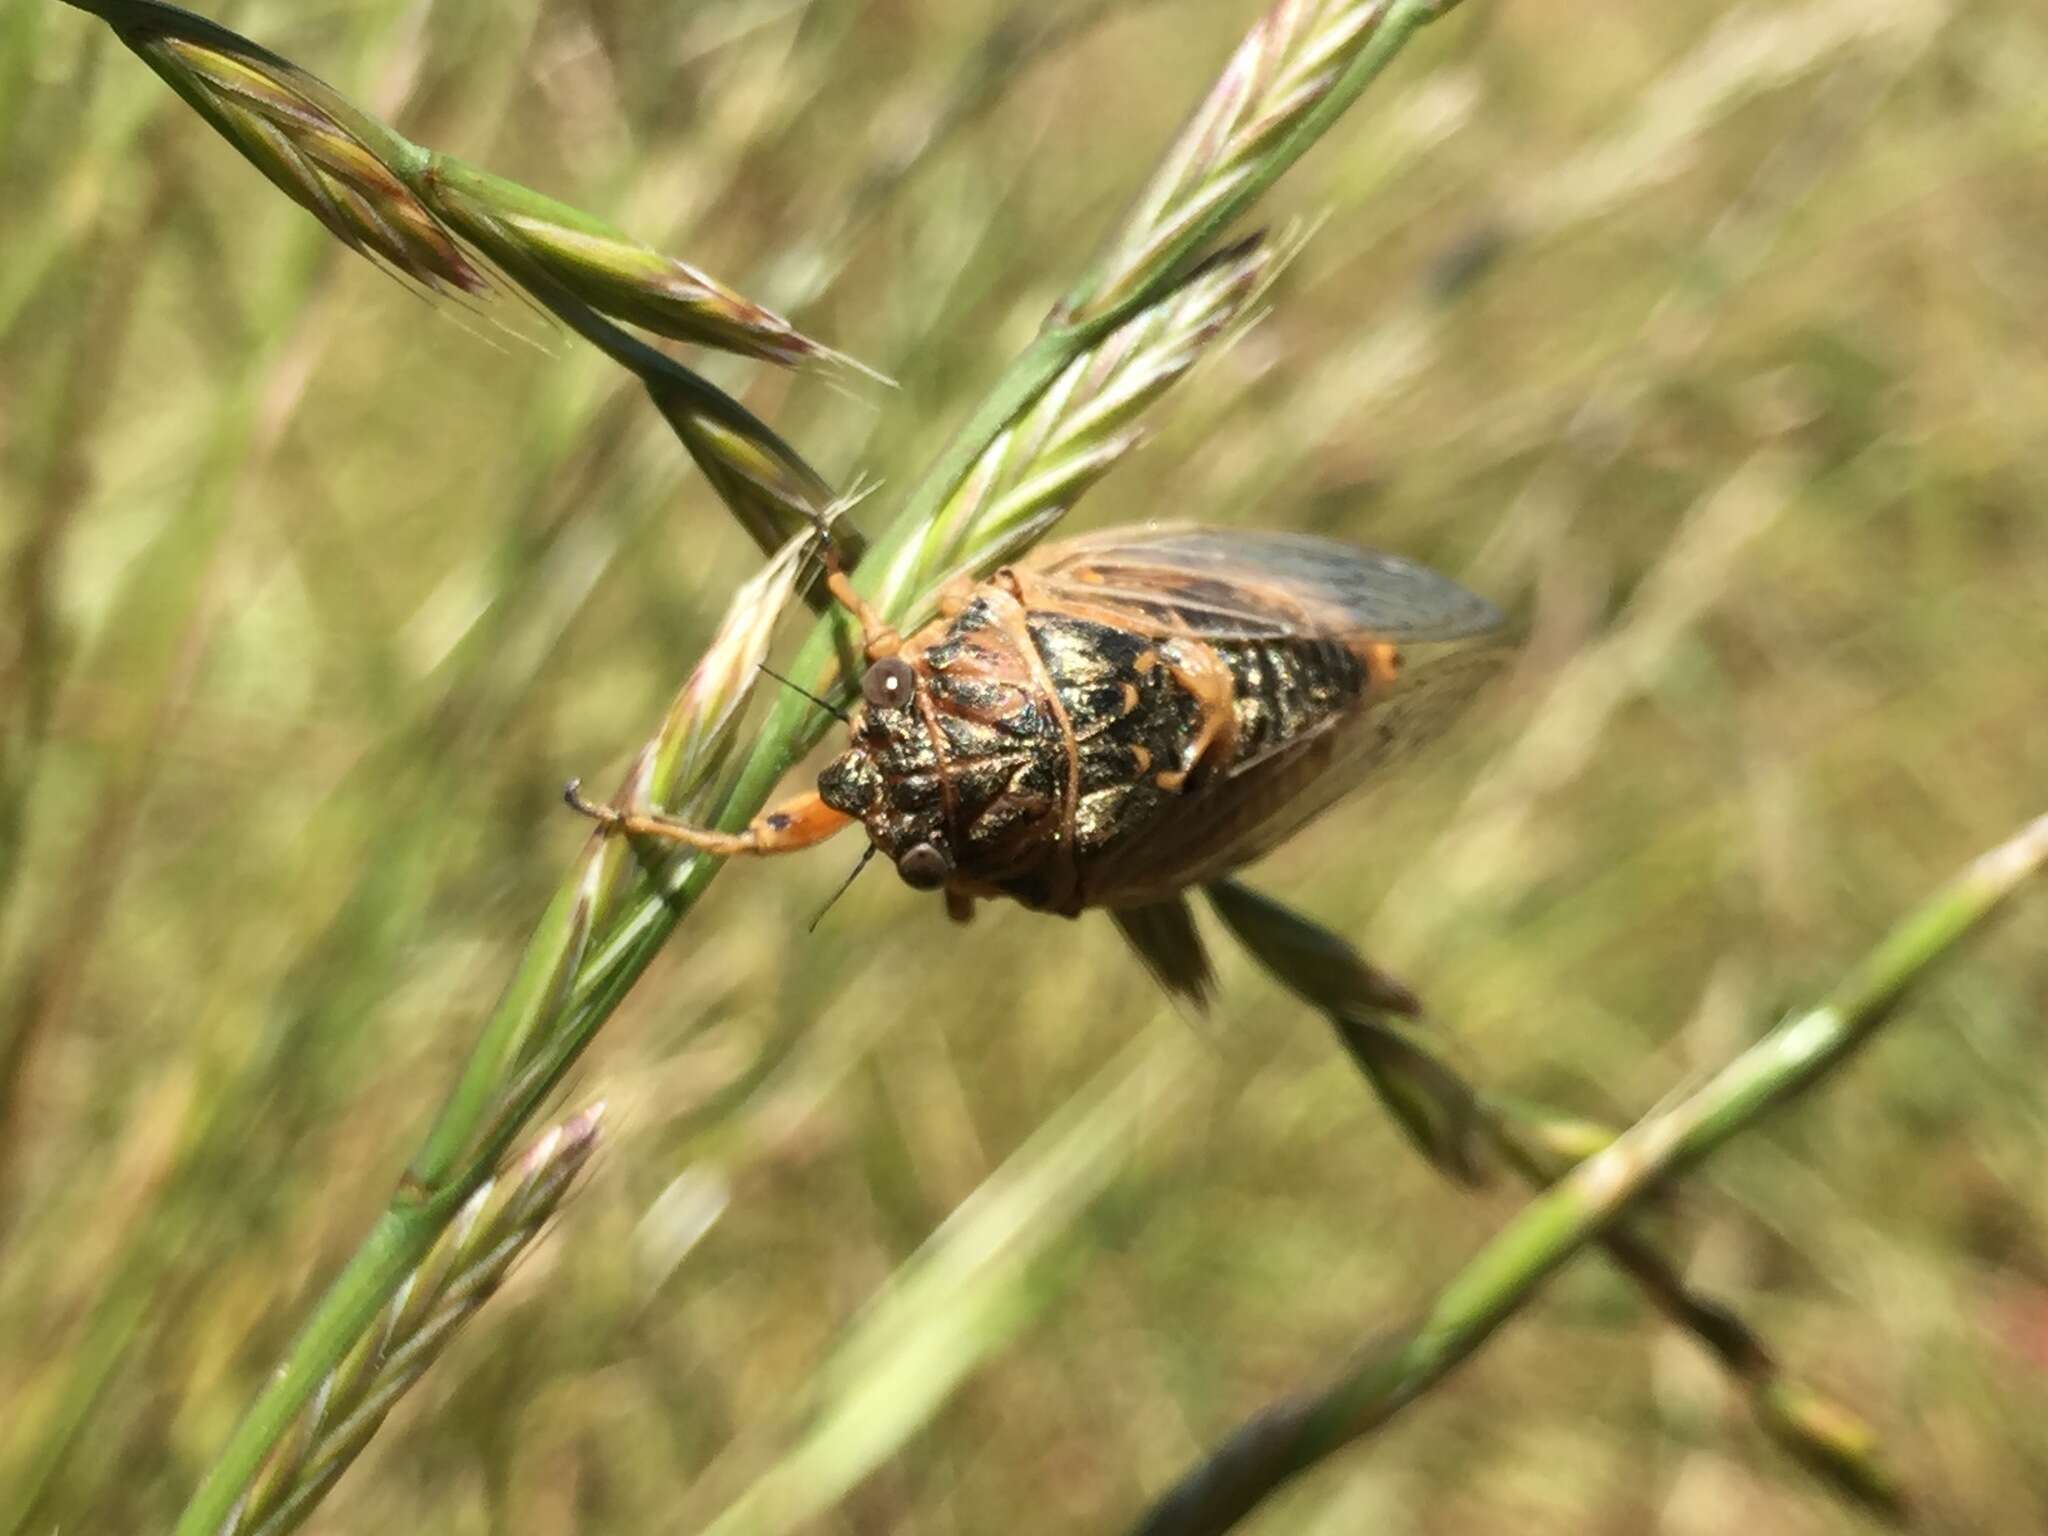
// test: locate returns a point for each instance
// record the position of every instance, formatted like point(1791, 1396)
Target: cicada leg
point(801, 822)
point(956, 597)
point(878, 638)
point(1382, 664)
point(1199, 670)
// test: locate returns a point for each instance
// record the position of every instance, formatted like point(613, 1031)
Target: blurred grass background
point(1710, 338)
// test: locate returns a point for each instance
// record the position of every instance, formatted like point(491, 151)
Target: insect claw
point(572, 796)
point(824, 519)
point(821, 522)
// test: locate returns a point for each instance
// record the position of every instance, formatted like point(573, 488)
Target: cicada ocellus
point(1128, 714)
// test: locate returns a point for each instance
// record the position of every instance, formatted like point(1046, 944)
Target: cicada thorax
point(1049, 731)
point(1130, 722)
point(1004, 745)
point(973, 763)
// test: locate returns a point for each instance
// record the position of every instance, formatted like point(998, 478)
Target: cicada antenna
point(844, 886)
point(795, 687)
point(878, 637)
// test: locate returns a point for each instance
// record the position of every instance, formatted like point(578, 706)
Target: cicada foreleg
point(878, 638)
point(803, 821)
point(1203, 674)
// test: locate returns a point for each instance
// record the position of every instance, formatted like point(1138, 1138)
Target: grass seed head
point(615, 274)
point(431, 218)
point(771, 492)
point(1288, 62)
point(495, 1227)
point(1087, 421)
point(317, 152)
point(697, 735)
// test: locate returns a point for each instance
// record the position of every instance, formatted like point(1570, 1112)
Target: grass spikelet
point(1309, 960)
point(615, 274)
point(1086, 422)
point(1290, 63)
point(335, 162)
point(696, 737)
point(769, 490)
point(682, 759)
point(494, 1227)
point(427, 216)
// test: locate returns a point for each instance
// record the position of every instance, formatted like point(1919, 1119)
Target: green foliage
point(1709, 343)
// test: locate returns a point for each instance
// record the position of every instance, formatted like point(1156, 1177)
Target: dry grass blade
point(495, 1226)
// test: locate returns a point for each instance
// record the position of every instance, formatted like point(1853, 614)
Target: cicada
point(1127, 714)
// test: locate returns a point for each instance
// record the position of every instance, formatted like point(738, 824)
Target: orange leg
point(955, 597)
point(1202, 673)
point(877, 637)
point(801, 822)
point(1382, 665)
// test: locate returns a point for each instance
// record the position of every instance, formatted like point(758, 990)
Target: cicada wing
point(1164, 936)
point(1253, 805)
point(1224, 584)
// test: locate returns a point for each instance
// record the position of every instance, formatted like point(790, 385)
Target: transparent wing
point(1231, 584)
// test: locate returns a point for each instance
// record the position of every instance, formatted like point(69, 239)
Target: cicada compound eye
point(923, 867)
point(890, 683)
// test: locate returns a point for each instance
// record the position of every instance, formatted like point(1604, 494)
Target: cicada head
point(888, 778)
